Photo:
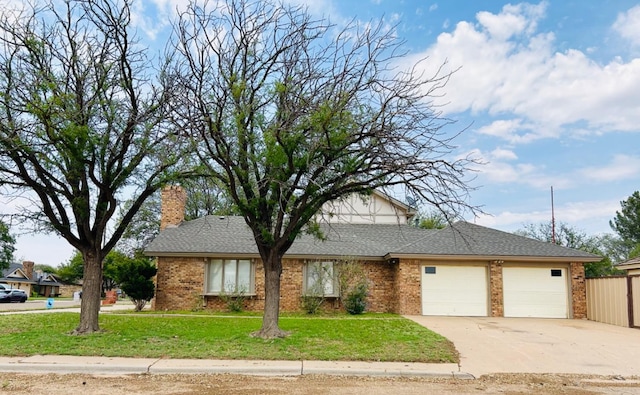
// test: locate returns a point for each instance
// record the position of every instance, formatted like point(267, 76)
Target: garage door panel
point(535, 292)
point(454, 290)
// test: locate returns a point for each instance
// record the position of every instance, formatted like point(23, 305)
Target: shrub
point(354, 286)
point(135, 276)
point(355, 301)
point(311, 303)
point(234, 300)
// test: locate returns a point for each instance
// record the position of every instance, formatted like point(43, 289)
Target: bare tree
point(291, 112)
point(81, 126)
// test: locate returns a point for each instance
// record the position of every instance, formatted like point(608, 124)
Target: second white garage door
point(535, 292)
point(454, 290)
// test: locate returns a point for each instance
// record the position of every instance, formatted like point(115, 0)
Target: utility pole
point(553, 220)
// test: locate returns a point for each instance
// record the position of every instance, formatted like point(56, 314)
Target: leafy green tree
point(635, 252)
point(431, 220)
point(570, 237)
point(71, 271)
point(615, 248)
point(626, 223)
point(45, 268)
point(7, 246)
point(135, 277)
point(289, 112)
point(110, 267)
point(82, 124)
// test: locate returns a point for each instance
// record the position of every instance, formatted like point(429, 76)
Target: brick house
point(23, 276)
point(464, 269)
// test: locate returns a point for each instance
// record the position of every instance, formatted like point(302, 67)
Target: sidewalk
point(110, 366)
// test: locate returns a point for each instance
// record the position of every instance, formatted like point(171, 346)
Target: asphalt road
point(38, 305)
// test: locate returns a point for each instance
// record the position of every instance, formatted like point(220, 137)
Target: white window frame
point(330, 288)
point(223, 287)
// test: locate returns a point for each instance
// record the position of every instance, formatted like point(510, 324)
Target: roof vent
point(221, 217)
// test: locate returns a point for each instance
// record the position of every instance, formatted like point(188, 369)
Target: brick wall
point(407, 282)
point(496, 289)
point(179, 283)
point(382, 292)
point(180, 286)
point(173, 202)
point(578, 290)
point(394, 287)
point(67, 290)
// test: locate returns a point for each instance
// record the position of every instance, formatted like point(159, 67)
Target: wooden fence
point(614, 300)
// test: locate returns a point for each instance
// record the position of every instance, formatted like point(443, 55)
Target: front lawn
point(358, 338)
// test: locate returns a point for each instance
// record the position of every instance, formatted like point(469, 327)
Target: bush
point(311, 303)
point(234, 300)
point(135, 276)
point(355, 301)
point(354, 286)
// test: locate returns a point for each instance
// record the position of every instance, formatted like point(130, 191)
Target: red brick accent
point(578, 290)
point(496, 289)
point(180, 286)
point(28, 266)
point(179, 283)
point(408, 278)
point(382, 292)
point(174, 200)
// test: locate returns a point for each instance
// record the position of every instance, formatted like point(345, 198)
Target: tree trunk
point(272, 273)
point(91, 289)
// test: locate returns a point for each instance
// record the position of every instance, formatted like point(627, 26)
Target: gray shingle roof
point(216, 236)
point(465, 238)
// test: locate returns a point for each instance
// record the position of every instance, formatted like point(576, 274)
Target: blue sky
point(549, 91)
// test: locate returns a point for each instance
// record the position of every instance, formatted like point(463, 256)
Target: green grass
point(357, 338)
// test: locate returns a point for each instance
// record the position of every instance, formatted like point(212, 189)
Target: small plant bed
point(368, 337)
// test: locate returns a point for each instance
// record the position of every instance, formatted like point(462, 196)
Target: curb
point(112, 366)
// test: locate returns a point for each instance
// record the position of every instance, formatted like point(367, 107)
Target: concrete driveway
point(534, 345)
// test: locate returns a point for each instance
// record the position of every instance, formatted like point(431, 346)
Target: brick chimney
point(174, 200)
point(27, 266)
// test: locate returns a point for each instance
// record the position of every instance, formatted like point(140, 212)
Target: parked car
point(13, 295)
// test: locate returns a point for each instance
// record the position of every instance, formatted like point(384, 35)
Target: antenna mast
point(553, 220)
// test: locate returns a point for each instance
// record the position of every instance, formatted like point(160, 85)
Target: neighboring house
point(22, 276)
point(376, 209)
point(632, 266)
point(463, 270)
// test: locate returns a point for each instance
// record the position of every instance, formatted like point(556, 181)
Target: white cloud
point(499, 169)
point(500, 153)
point(620, 168)
point(628, 25)
point(510, 70)
point(513, 130)
point(502, 167)
point(433, 7)
point(589, 216)
point(513, 20)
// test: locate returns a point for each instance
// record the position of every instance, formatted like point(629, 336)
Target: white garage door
point(454, 290)
point(535, 292)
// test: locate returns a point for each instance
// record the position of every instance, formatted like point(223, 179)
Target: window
point(320, 279)
point(230, 276)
